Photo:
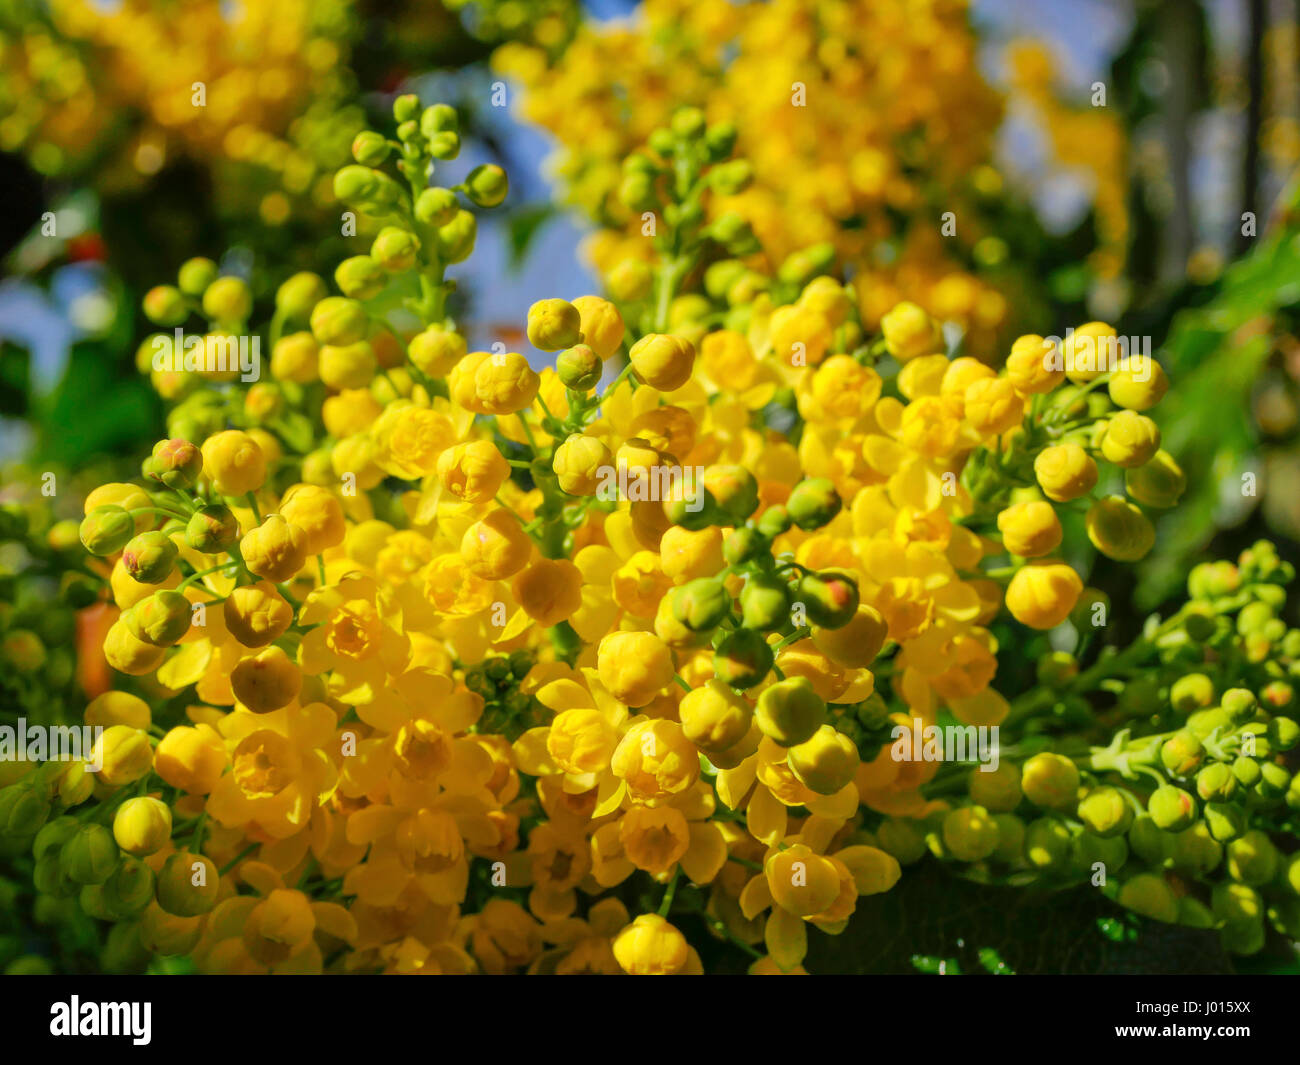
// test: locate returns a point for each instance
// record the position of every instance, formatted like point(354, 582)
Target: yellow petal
point(786, 937)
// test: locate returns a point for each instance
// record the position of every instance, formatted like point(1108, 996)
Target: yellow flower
point(1065, 472)
point(1031, 366)
point(496, 383)
point(1042, 593)
point(825, 763)
point(234, 462)
point(123, 754)
point(654, 839)
point(801, 881)
point(1139, 383)
point(266, 681)
point(436, 351)
point(1090, 351)
point(256, 614)
point(650, 946)
point(993, 406)
point(549, 590)
point(581, 741)
point(686, 555)
point(910, 332)
point(191, 759)
point(932, 426)
point(800, 335)
point(142, 825)
point(634, 666)
point(714, 717)
point(347, 365)
point(496, 547)
point(656, 761)
point(554, 325)
point(1030, 529)
point(128, 654)
point(602, 325)
point(578, 463)
point(473, 472)
point(296, 358)
point(275, 550)
point(318, 513)
point(663, 361)
point(1130, 439)
point(844, 388)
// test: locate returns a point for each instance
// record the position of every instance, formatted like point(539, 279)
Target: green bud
point(487, 185)
point(228, 299)
point(1172, 809)
point(436, 206)
point(579, 367)
point(362, 186)
point(1195, 691)
point(1283, 733)
point(733, 177)
point(1216, 782)
point(339, 321)
point(1225, 822)
point(1243, 939)
point(830, 598)
point(1148, 841)
point(734, 233)
point(813, 503)
point(370, 148)
point(1192, 913)
point(901, 838)
point(1200, 621)
point(969, 833)
point(688, 123)
point(764, 602)
point(176, 463)
point(720, 140)
point(106, 529)
point(1011, 840)
point(802, 266)
point(1213, 580)
point(439, 118)
point(1203, 722)
point(165, 305)
point(195, 275)
point(1252, 858)
point(789, 711)
point(1089, 850)
point(1247, 772)
point(701, 604)
point(89, 855)
point(774, 521)
point(997, 789)
point(130, 889)
point(188, 884)
point(360, 277)
point(456, 238)
point(1274, 780)
point(50, 839)
point(396, 250)
point(733, 489)
point(1239, 704)
point(1182, 753)
point(1047, 843)
point(1149, 895)
point(149, 557)
point(444, 145)
point(743, 545)
point(212, 529)
point(742, 659)
point(23, 810)
point(160, 619)
point(1237, 904)
point(406, 107)
point(1106, 812)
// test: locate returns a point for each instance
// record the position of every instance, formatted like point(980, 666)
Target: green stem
point(667, 903)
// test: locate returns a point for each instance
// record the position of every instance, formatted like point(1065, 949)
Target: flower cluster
point(1171, 799)
point(870, 130)
point(434, 662)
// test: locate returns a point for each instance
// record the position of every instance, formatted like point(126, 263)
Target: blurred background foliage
point(1127, 160)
